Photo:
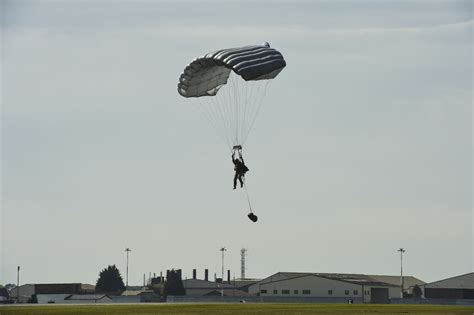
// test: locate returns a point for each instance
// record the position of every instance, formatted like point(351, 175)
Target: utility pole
point(401, 250)
point(127, 250)
point(223, 249)
point(18, 285)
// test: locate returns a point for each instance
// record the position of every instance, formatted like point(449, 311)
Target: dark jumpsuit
point(240, 170)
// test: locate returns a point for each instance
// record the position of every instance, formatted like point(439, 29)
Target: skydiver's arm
point(241, 158)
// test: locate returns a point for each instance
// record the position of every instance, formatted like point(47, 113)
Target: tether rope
point(248, 197)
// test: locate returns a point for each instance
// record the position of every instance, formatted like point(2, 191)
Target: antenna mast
point(243, 252)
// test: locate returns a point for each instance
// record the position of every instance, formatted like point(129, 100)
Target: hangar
point(458, 287)
point(331, 287)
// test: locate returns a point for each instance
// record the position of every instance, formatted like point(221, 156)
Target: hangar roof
point(465, 281)
point(361, 279)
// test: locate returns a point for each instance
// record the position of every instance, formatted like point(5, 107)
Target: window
point(275, 291)
point(347, 292)
point(367, 292)
point(285, 291)
point(329, 292)
point(355, 292)
point(306, 291)
point(295, 291)
point(263, 291)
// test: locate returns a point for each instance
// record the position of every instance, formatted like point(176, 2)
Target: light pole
point(18, 284)
point(223, 249)
point(127, 250)
point(401, 250)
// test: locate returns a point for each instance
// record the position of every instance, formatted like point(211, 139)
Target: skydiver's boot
point(252, 217)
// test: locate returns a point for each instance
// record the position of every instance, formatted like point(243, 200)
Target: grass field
point(208, 309)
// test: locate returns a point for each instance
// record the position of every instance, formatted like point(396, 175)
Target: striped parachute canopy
point(233, 111)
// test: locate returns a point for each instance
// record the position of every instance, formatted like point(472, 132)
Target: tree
point(174, 284)
point(110, 280)
point(417, 293)
point(10, 287)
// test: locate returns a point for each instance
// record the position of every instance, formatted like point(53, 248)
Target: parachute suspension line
point(235, 87)
point(228, 109)
point(225, 105)
point(230, 104)
point(215, 108)
point(260, 103)
point(208, 113)
point(251, 97)
point(219, 102)
point(238, 105)
point(248, 106)
point(238, 108)
point(220, 112)
point(255, 89)
point(243, 106)
point(258, 107)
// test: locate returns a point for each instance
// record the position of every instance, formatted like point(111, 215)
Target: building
point(4, 296)
point(88, 298)
point(26, 291)
point(138, 295)
point(196, 287)
point(244, 284)
point(408, 281)
point(72, 298)
point(458, 287)
point(51, 298)
point(329, 287)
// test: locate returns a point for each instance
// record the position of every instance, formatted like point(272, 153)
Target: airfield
point(220, 308)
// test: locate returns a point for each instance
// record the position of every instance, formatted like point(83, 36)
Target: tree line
point(110, 281)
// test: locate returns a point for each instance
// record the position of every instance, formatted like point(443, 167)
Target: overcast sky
point(363, 144)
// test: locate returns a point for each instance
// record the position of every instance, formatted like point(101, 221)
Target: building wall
point(408, 281)
point(202, 287)
point(319, 287)
point(446, 293)
point(51, 298)
point(394, 292)
point(92, 301)
point(58, 288)
point(309, 286)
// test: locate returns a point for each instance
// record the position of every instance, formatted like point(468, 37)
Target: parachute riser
point(237, 148)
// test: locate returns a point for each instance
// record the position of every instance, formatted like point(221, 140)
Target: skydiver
point(239, 168)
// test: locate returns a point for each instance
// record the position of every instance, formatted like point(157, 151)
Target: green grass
point(208, 309)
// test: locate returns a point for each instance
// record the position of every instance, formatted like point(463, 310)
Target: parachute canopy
point(205, 75)
point(233, 110)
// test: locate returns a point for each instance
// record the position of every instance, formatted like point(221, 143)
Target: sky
point(363, 144)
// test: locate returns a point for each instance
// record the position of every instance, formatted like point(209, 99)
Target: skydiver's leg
point(241, 181)
point(235, 180)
